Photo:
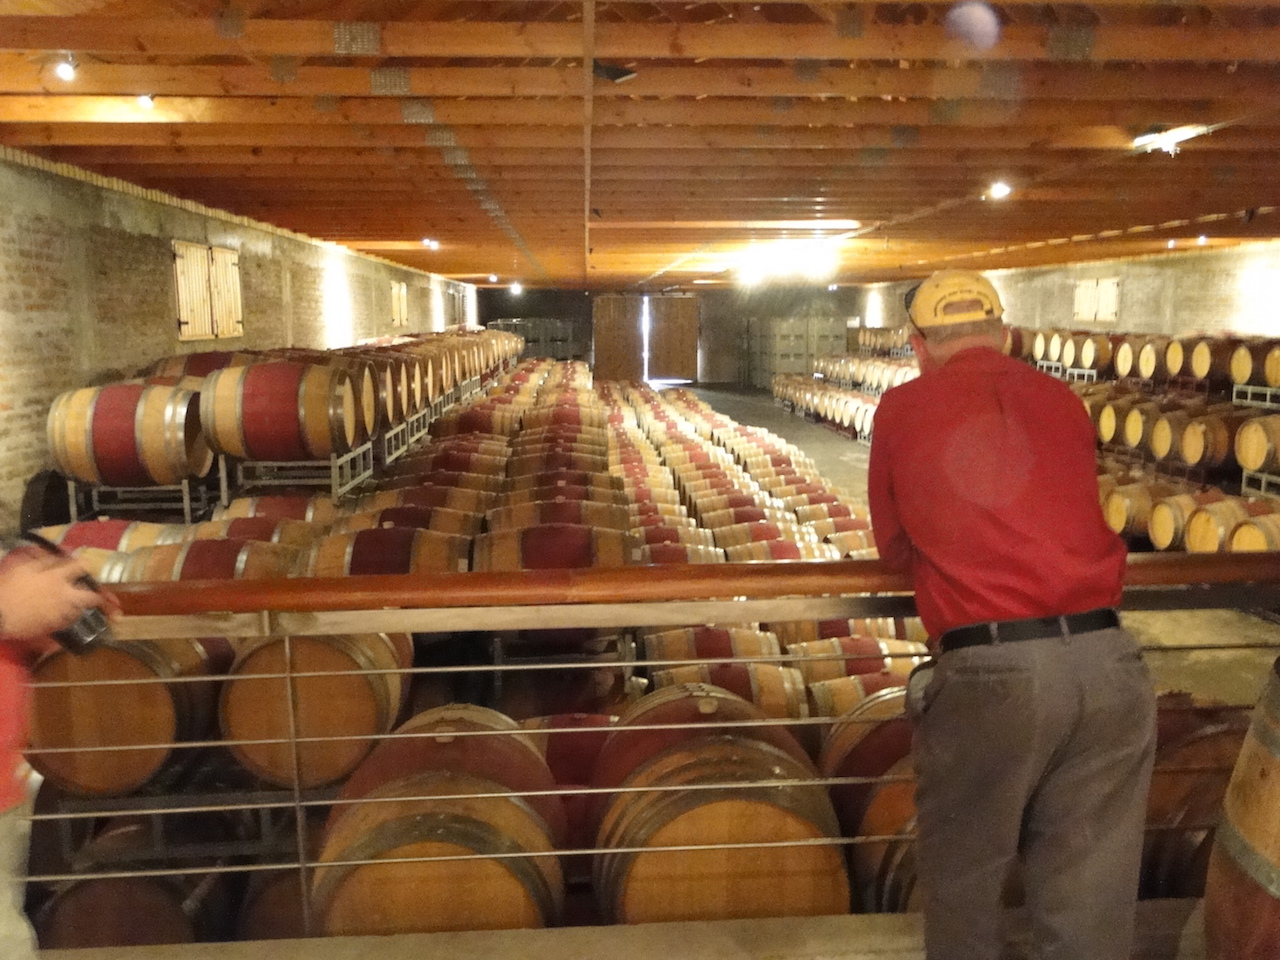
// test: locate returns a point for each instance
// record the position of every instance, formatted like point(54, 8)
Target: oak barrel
point(730, 801)
point(160, 716)
point(356, 696)
point(1242, 889)
point(129, 435)
point(280, 411)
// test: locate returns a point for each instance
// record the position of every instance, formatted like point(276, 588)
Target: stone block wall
point(87, 294)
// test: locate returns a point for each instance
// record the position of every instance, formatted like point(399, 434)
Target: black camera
point(92, 626)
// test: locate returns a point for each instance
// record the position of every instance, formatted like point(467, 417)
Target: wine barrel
point(845, 656)
point(1209, 527)
point(293, 533)
point(201, 363)
point(1168, 523)
point(672, 530)
point(579, 512)
point(782, 550)
point(865, 742)
point(555, 546)
point(112, 534)
point(1256, 534)
point(129, 435)
point(437, 814)
point(386, 550)
point(1256, 362)
point(1128, 507)
point(1177, 356)
point(462, 499)
point(679, 553)
point(572, 742)
point(439, 519)
point(211, 560)
point(719, 882)
point(135, 911)
point(1112, 415)
point(850, 542)
point(672, 715)
point(1209, 441)
point(279, 411)
point(1257, 444)
point(1211, 359)
point(1152, 357)
point(160, 716)
point(285, 506)
point(738, 534)
point(1241, 897)
point(601, 482)
point(778, 691)
point(357, 695)
point(801, 631)
point(835, 698)
point(709, 643)
point(466, 739)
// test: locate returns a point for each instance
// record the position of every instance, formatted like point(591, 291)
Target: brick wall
point(87, 295)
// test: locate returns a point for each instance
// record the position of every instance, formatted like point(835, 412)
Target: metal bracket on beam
point(357, 39)
point(389, 81)
point(417, 111)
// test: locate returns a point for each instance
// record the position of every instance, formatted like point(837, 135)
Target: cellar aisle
point(1167, 930)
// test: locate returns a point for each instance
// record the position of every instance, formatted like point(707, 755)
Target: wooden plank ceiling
point(482, 125)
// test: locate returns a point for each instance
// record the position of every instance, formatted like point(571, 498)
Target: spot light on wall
point(65, 69)
point(147, 102)
point(516, 288)
point(999, 190)
point(430, 244)
point(336, 316)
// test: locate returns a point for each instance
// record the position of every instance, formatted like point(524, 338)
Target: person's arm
point(892, 542)
point(38, 595)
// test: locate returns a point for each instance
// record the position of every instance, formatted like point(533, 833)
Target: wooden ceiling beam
point(660, 163)
point(1250, 84)
point(200, 36)
point(567, 112)
point(1099, 138)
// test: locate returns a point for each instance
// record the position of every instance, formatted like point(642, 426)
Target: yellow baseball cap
point(954, 296)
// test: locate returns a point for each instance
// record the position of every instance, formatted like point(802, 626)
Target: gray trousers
point(1041, 748)
point(17, 942)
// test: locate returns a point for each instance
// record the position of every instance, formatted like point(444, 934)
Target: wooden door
point(673, 338)
point(619, 342)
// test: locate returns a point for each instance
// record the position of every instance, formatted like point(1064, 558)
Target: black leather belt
point(1036, 628)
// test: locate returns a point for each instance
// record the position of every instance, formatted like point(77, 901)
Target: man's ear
point(921, 349)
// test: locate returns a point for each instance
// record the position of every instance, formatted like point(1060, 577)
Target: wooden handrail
point(622, 585)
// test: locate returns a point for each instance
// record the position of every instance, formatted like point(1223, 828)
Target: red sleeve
point(891, 539)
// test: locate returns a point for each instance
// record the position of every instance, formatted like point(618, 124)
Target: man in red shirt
point(38, 595)
point(1035, 732)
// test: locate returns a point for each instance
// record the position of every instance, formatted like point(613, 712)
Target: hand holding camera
point(45, 592)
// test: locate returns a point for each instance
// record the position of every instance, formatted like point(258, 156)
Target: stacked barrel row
point(166, 425)
point(1216, 360)
point(1183, 428)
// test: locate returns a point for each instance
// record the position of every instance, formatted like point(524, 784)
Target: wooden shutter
point(191, 274)
point(224, 292)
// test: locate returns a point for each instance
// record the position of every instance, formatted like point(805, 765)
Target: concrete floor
point(1167, 929)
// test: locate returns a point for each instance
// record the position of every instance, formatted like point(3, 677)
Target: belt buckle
point(993, 627)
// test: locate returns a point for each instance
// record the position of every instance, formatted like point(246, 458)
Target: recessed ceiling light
point(66, 68)
point(999, 190)
point(517, 288)
point(146, 101)
point(493, 278)
point(1202, 239)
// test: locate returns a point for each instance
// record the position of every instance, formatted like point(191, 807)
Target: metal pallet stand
point(194, 497)
point(341, 474)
